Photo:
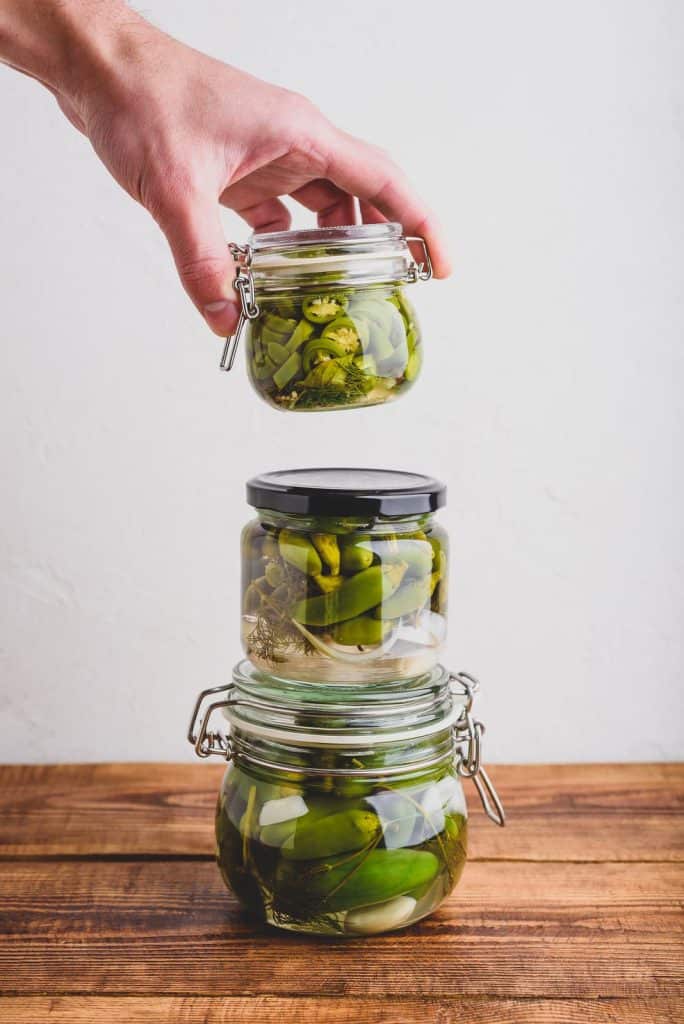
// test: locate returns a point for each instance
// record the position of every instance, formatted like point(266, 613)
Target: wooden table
point(111, 909)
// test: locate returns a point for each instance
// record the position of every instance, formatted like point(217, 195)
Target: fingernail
point(221, 316)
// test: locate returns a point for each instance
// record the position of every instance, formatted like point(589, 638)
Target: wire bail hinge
point(209, 742)
point(468, 733)
point(419, 271)
point(249, 310)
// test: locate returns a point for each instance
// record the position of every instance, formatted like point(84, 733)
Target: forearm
point(62, 42)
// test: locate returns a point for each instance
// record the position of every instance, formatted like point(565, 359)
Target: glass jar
point(344, 575)
point(328, 323)
point(343, 819)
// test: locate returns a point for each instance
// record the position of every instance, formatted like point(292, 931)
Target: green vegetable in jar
point(297, 549)
point(322, 309)
point(358, 594)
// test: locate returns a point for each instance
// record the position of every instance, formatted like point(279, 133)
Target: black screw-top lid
point(346, 492)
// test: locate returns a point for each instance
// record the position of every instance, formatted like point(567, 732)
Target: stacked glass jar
point(342, 810)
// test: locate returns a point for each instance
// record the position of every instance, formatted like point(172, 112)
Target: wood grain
point(512, 930)
point(555, 812)
point(274, 1010)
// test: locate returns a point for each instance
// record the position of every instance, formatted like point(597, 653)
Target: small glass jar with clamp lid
point(343, 817)
point(328, 322)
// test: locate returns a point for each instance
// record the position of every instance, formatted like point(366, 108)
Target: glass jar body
point(314, 851)
point(323, 347)
point(328, 599)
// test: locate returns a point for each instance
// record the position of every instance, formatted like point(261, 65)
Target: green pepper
point(277, 353)
point(370, 878)
point(298, 550)
point(322, 309)
point(413, 365)
point(279, 325)
point(356, 556)
point(357, 595)
point(317, 349)
point(301, 333)
point(343, 331)
point(327, 547)
point(410, 597)
point(363, 631)
point(332, 835)
point(266, 370)
point(328, 374)
point(288, 370)
point(328, 583)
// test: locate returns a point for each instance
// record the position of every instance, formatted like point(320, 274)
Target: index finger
point(368, 173)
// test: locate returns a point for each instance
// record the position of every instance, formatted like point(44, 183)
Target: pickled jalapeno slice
point(332, 349)
point(310, 856)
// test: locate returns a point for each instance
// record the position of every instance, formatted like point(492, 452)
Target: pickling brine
point(339, 855)
point(339, 348)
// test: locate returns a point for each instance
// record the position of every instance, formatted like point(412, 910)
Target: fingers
point(269, 215)
point(193, 230)
point(369, 214)
point(364, 171)
point(334, 207)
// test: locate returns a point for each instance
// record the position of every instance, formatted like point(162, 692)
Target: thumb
point(194, 232)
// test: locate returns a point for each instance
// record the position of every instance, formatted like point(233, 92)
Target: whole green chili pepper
point(418, 554)
point(363, 631)
point(327, 547)
point(332, 835)
point(357, 595)
point(356, 556)
point(298, 550)
point(371, 878)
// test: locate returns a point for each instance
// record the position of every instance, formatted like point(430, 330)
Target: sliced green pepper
point(288, 370)
point(343, 331)
point(322, 309)
point(316, 349)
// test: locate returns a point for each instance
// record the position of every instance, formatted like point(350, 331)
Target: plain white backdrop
point(548, 135)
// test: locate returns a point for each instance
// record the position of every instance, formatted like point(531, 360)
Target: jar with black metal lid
point(343, 817)
point(327, 322)
point(344, 575)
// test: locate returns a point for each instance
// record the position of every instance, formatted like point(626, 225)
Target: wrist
point(65, 43)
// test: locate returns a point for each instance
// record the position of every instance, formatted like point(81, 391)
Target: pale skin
point(182, 133)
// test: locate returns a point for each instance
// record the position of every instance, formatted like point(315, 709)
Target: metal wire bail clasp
point(468, 733)
point(205, 741)
point(419, 271)
point(249, 310)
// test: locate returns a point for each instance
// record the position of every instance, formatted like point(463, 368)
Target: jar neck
point(401, 735)
point(378, 525)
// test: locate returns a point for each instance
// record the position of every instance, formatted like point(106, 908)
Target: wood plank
point(274, 1010)
point(513, 930)
point(576, 813)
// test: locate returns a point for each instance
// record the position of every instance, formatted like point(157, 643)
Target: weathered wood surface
point(111, 909)
point(555, 812)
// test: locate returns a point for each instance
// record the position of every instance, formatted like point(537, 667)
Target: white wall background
point(549, 137)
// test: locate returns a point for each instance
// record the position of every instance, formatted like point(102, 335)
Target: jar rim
point(341, 491)
point(301, 238)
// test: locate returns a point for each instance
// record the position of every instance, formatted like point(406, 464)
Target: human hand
point(182, 132)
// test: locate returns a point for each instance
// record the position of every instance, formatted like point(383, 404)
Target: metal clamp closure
point(419, 271)
point(249, 310)
point(205, 741)
point(468, 734)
